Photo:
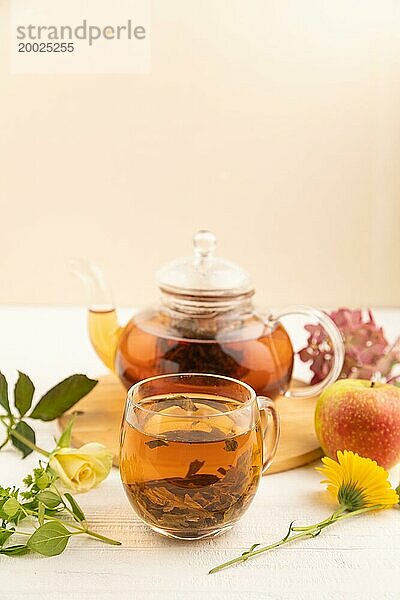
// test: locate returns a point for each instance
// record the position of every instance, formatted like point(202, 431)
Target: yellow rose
point(82, 469)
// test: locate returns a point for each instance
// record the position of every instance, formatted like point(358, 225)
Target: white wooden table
point(357, 559)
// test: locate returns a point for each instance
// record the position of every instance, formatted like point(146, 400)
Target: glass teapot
point(205, 323)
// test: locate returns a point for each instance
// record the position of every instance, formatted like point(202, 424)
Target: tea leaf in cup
point(156, 443)
point(198, 500)
point(185, 402)
point(194, 467)
point(230, 445)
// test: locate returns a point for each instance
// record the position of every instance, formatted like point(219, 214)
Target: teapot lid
point(204, 274)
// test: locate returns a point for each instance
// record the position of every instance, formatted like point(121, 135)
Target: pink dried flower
point(367, 350)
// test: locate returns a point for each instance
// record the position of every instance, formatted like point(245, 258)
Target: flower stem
point(78, 529)
point(9, 418)
point(246, 556)
point(305, 532)
point(18, 436)
point(102, 538)
point(334, 517)
point(49, 518)
point(7, 439)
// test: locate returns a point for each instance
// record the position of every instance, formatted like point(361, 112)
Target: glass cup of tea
point(193, 450)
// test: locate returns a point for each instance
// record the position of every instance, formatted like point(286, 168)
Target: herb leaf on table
point(62, 397)
point(23, 393)
point(51, 405)
point(46, 516)
point(50, 539)
point(4, 394)
point(27, 432)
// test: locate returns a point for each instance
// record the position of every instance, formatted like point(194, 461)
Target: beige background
point(274, 123)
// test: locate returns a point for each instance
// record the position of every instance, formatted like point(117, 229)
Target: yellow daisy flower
point(357, 482)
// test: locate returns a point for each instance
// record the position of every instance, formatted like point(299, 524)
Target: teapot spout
point(104, 329)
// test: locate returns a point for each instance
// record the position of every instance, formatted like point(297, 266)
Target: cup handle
point(267, 407)
point(337, 344)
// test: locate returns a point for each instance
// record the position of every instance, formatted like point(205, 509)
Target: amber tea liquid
point(154, 344)
point(191, 467)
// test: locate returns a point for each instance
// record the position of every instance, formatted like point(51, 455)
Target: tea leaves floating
point(231, 445)
point(199, 501)
point(194, 467)
point(156, 443)
point(185, 402)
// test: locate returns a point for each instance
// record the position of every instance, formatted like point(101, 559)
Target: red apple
point(362, 416)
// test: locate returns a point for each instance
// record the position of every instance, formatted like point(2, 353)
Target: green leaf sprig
point(54, 517)
point(53, 404)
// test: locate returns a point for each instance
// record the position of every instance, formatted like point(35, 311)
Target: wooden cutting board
point(99, 417)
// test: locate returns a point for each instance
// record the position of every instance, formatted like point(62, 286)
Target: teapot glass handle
point(337, 346)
